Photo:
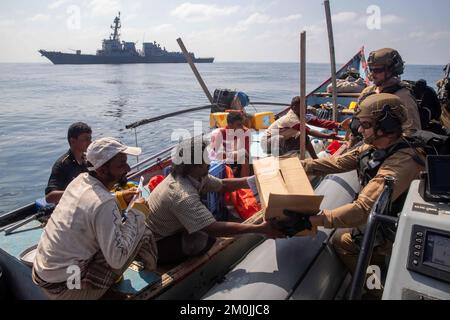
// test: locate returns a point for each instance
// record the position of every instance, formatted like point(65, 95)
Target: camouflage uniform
point(413, 122)
point(393, 62)
point(404, 164)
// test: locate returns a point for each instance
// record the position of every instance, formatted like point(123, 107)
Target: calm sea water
point(38, 102)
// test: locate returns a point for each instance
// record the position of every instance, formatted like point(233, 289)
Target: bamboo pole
point(332, 56)
point(194, 69)
point(302, 95)
point(165, 116)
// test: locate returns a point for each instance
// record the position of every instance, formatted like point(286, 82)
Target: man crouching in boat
point(385, 152)
point(285, 132)
point(183, 226)
point(70, 164)
point(87, 244)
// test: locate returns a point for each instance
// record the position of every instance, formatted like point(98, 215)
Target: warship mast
point(116, 28)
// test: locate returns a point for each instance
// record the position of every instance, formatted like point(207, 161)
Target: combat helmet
point(385, 109)
point(389, 58)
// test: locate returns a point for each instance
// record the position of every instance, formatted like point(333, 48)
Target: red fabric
point(327, 124)
point(153, 183)
point(297, 127)
point(334, 146)
point(223, 131)
point(243, 200)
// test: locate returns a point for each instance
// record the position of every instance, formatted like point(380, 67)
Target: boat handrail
point(270, 104)
point(152, 157)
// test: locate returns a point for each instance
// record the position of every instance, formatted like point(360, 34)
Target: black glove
point(295, 223)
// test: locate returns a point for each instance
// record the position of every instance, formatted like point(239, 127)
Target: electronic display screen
point(439, 174)
point(437, 249)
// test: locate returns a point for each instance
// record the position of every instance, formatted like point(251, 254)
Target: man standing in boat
point(89, 240)
point(71, 163)
point(385, 152)
point(183, 226)
point(385, 67)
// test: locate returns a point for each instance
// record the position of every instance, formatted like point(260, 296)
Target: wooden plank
point(194, 69)
point(332, 56)
point(181, 271)
point(302, 95)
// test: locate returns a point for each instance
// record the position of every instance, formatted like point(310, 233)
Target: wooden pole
point(194, 69)
point(302, 95)
point(165, 116)
point(332, 56)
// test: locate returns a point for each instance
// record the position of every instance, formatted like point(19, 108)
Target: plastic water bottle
point(318, 145)
point(324, 154)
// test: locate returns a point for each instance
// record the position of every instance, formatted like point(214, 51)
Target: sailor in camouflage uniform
point(386, 66)
point(385, 152)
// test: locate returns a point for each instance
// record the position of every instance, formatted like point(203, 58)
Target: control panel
point(429, 252)
point(419, 266)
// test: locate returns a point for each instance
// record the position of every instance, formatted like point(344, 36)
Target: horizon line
point(226, 61)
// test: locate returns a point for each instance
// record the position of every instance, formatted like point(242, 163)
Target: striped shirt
point(175, 205)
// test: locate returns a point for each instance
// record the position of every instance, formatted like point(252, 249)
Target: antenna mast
point(116, 28)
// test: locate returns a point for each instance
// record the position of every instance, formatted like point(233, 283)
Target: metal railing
point(378, 215)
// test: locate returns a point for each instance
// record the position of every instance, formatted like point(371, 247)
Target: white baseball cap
point(102, 150)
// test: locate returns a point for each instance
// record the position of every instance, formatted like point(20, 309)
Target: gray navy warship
point(116, 52)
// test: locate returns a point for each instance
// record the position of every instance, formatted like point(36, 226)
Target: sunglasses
point(366, 124)
point(376, 70)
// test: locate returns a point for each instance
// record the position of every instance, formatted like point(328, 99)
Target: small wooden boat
point(189, 280)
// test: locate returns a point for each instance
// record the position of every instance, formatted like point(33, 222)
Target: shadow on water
point(117, 106)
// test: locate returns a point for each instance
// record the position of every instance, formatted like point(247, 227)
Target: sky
point(235, 31)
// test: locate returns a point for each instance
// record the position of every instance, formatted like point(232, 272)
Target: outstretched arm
point(234, 184)
point(226, 229)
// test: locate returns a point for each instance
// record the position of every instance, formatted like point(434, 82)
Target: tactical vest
point(391, 89)
point(369, 162)
point(425, 114)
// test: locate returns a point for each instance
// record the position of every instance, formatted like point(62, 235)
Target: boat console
point(420, 264)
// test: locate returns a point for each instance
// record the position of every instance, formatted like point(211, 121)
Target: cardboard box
point(283, 184)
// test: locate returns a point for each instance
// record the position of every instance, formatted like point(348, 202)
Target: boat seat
point(278, 268)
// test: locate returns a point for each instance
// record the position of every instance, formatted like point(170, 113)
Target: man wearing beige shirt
point(385, 67)
point(385, 152)
point(86, 234)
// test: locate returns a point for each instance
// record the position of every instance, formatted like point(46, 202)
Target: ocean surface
point(38, 102)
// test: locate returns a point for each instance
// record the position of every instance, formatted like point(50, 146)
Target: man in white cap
point(86, 245)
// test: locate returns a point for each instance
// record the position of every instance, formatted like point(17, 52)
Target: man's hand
point(296, 222)
point(271, 231)
point(334, 136)
point(345, 125)
point(129, 194)
point(141, 205)
point(140, 200)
